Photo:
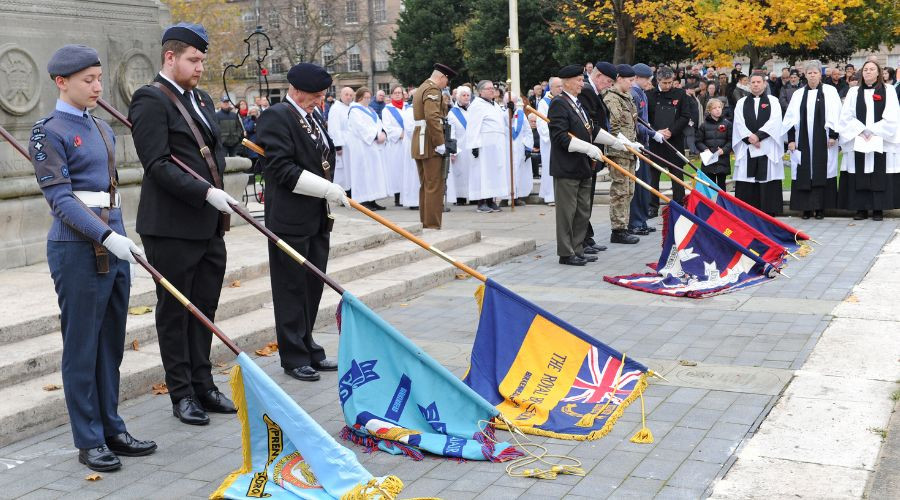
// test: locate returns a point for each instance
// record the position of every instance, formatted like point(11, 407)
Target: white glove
point(121, 247)
point(220, 199)
point(628, 142)
point(605, 138)
point(658, 137)
point(578, 146)
point(311, 184)
point(440, 149)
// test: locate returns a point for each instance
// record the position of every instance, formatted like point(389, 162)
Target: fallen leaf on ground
point(160, 388)
point(852, 298)
point(462, 276)
point(221, 364)
point(687, 362)
point(135, 345)
point(403, 304)
point(93, 477)
point(270, 349)
point(538, 256)
point(139, 310)
point(52, 387)
point(235, 284)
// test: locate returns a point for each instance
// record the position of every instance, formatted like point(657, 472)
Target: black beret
point(71, 59)
point(625, 71)
point(309, 77)
point(189, 33)
point(607, 69)
point(446, 70)
point(571, 71)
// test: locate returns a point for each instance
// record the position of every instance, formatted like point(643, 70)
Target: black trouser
point(666, 153)
point(296, 294)
point(196, 268)
point(589, 234)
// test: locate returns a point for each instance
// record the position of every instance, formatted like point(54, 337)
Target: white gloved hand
point(605, 138)
point(440, 149)
point(311, 184)
point(628, 142)
point(658, 137)
point(121, 247)
point(578, 146)
point(220, 199)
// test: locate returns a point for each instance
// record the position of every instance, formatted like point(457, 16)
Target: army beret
point(446, 70)
point(71, 59)
point(625, 70)
point(309, 77)
point(607, 69)
point(571, 71)
point(189, 33)
point(642, 70)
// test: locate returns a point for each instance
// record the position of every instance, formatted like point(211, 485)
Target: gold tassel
point(479, 296)
point(643, 436)
point(804, 250)
point(586, 420)
point(389, 488)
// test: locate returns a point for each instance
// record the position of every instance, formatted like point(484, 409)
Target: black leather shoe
point(190, 412)
point(640, 231)
point(216, 402)
point(806, 214)
point(100, 459)
point(622, 236)
point(820, 215)
point(877, 215)
point(652, 214)
point(591, 250)
point(326, 365)
point(861, 215)
point(650, 229)
point(589, 258)
point(572, 260)
point(126, 445)
point(305, 373)
point(599, 248)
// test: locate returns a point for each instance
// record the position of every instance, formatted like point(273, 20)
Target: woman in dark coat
point(714, 135)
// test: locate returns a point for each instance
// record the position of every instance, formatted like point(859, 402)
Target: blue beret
point(189, 33)
point(571, 71)
point(642, 70)
point(607, 69)
point(71, 59)
point(309, 77)
point(625, 71)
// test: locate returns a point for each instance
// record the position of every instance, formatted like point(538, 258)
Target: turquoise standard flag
point(286, 453)
point(710, 191)
point(399, 400)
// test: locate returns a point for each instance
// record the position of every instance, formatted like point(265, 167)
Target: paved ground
point(746, 345)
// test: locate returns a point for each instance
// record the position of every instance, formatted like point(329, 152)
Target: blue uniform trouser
point(640, 202)
point(93, 309)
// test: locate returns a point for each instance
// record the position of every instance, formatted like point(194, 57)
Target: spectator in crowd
point(736, 72)
point(250, 130)
point(714, 138)
point(690, 133)
point(588, 68)
point(230, 127)
point(741, 89)
point(536, 95)
point(837, 81)
point(242, 109)
point(788, 90)
point(849, 70)
point(378, 103)
point(889, 75)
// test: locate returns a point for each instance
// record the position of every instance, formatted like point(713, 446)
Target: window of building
point(386, 87)
point(277, 65)
point(328, 57)
point(354, 62)
point(300, 14)
point(352, 16)
point(274, 19)
point(382, 54)
point(325, 14)
point(380, 10)
point(249, 19)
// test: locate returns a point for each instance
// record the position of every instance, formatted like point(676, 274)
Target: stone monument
point(127, 35)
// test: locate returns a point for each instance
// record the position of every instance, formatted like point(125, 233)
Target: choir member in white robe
point(394, 154)
point(758, 150)
point(487, 138)
point(870, 180)
point(810, 128)
point(460, 162)
point(522, 139)
point(365, 140)
point(409, 188)
point(337, 129)
point(546, 189)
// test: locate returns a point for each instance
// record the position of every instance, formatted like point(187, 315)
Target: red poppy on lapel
point(643, 103)
point(674, 102)
point(764, 105)
point(876, 97)
point(722, 128)
point(77, 141)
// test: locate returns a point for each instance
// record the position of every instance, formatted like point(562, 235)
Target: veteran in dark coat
point(670, 115)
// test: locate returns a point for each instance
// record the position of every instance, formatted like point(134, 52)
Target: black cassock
point(812, 189)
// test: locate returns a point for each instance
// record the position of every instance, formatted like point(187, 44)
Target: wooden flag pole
point(157, 277)
point(393, 227)
point(240, 210)
point(673, 148)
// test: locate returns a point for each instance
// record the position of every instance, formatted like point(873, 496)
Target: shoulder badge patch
point(40, 156)
point(45, 178)
point(65, 172)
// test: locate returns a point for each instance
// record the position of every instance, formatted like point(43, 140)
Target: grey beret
point(642, 70)
point(190, 33)
point(71, 59)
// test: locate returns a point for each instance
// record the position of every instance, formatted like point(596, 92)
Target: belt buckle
point(204, 150)
point(325, 165)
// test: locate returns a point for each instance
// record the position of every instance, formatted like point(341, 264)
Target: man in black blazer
point(670, 115)
point(299, 156)
point(180, 218)
point(571, 165)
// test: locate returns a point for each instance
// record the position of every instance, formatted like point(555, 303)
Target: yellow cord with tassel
point(643, 436)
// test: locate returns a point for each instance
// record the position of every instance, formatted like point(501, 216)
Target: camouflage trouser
point(620, 192)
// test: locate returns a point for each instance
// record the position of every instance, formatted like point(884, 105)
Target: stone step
point(31, 308)
point(28, 409)
point(42, 354)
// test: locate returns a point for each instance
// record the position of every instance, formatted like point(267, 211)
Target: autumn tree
point(611, 20)
point(222, 21)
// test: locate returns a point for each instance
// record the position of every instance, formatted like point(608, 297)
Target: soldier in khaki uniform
point(621, 120)
point(428, 144)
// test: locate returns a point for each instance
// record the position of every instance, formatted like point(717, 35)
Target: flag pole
point(393, 227)
point(673, 148)
point(157, 276)
point(240, 210)
point(512, 167)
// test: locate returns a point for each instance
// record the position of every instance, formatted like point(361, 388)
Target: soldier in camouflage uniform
point(621, 120)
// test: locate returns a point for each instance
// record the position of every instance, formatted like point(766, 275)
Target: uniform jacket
point(290, 150)
point(173, 203)
point(712, 135)
point(621, 118)
point(669, 110)
point(428, 105)
point(564, 119)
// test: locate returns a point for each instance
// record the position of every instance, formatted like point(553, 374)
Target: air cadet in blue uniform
point(180, 218)
point(89, 256)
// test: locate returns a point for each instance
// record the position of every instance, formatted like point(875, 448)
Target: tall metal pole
point(516, 89)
